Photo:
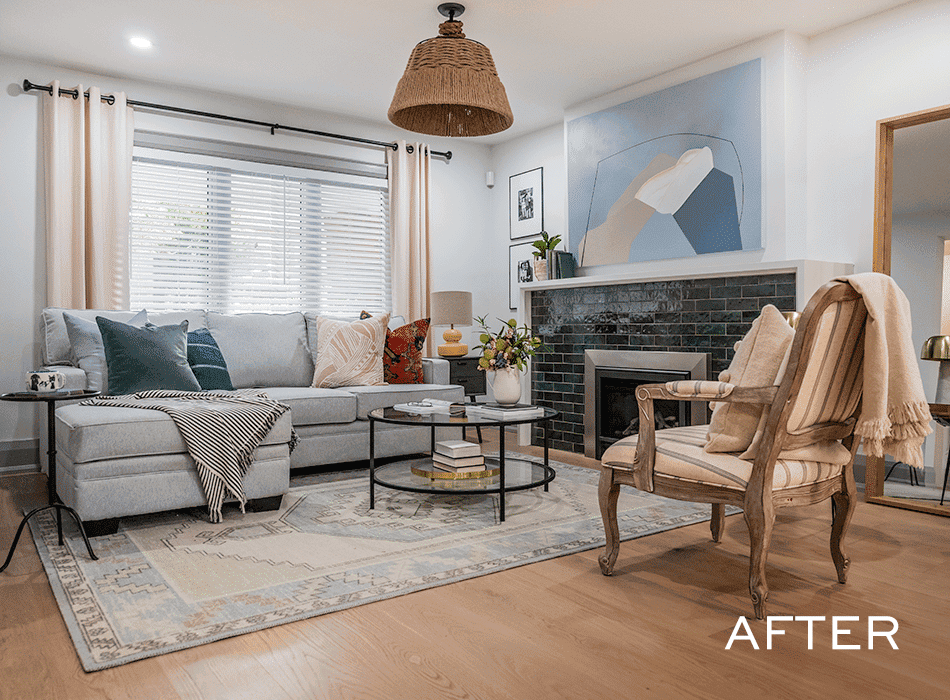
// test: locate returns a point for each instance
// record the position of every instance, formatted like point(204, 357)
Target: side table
point(50, 398)
point(941, 414)
point(464, 371)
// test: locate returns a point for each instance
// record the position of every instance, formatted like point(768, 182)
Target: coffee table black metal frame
point(442, 420)
point(53, 502)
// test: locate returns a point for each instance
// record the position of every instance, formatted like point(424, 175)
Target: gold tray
point(434, 473)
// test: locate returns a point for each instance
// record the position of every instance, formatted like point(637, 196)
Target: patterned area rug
point(174, 580)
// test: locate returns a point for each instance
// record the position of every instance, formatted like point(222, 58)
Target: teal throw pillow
point(140, 359)
point(207, 362)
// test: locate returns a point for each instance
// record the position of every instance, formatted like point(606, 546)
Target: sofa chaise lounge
point(115, 462)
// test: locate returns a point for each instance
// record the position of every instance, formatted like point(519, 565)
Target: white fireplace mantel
point(809, 276)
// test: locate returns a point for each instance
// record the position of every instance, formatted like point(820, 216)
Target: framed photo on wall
point(526, 204)
point(520, 269)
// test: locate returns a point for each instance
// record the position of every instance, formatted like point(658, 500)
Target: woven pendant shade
point(451, 88)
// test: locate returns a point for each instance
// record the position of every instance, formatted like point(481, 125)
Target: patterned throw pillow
point(402, 358)
point(350, 354)
point(207, 362)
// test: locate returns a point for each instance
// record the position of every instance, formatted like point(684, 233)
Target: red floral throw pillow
point(402, 356)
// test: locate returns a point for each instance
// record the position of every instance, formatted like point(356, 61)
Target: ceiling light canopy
point(140, 42)
point(451, 87)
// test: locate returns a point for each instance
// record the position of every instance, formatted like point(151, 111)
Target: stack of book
point(458, 456)
point(427, 406)
point(495, 411)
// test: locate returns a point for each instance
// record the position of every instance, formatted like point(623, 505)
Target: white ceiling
point(346, 57)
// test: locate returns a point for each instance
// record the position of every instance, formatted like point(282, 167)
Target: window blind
point(258, 237)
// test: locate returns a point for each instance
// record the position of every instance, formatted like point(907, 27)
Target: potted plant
point(542, 254)
point(505, 354)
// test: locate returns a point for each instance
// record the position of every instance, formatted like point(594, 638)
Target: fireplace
point(610, 381)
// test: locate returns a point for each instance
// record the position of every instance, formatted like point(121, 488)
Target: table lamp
point(452, 309)
point(937, 347)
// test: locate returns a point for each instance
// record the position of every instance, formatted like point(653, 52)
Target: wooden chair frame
point(758, 502)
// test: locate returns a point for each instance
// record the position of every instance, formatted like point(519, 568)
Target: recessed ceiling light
point(140, 42)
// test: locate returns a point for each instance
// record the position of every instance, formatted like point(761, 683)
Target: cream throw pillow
point(350, 353)
point(756, 363)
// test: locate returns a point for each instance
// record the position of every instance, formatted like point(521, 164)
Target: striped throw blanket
point(221, 431)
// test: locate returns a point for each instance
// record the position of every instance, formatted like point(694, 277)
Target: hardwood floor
point(556, 629)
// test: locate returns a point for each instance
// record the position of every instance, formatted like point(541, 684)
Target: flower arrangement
point(509, 347)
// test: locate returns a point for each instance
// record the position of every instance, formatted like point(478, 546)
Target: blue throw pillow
point(207, 362)
point(140, 359)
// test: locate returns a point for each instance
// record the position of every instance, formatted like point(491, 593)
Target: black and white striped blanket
point(221, 431)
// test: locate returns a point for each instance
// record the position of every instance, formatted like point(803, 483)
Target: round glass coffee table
point(503, 473)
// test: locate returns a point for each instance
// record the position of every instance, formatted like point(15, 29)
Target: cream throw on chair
point(808, 440)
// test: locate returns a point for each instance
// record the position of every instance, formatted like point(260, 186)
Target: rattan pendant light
point(451, 87)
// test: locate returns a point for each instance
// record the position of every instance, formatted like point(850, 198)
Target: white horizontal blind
point(256, 238)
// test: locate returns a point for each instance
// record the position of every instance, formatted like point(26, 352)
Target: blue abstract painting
point(673, 174)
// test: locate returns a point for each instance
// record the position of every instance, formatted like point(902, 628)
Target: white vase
point(506, 385)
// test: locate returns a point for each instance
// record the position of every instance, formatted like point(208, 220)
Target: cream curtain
point(88, 150)
point(409, 211)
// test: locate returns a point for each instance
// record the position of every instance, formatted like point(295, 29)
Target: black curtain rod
point(27, 86)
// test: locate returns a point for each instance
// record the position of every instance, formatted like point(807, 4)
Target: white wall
point(881, 67)
point(459, 221)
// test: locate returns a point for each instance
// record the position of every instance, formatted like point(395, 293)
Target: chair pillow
point(756, 363)
point(207, 362)
point(350, 354)
point(86, 342)
point(140, 359)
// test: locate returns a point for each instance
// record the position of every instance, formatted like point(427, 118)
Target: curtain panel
point(88, 173)
point(409, 192)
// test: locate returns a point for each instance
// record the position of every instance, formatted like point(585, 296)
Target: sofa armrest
point(75, 377)
point(435, 370)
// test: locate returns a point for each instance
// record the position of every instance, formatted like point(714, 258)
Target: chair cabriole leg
point(844, 508)
point(608, 492)
point(759, 513)
point(718, 521)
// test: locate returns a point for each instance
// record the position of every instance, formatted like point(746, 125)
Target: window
point(235, 236)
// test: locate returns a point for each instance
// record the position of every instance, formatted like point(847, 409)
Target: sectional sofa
point(115, 462)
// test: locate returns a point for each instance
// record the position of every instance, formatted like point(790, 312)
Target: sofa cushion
point(86, 342)
point(56, 345)
point(369, 398)
point(90, 433)
point(142, 359)
point(197, 318)
point(311, 406)
point(350, 354)
point(207, 362)
point(263, 350)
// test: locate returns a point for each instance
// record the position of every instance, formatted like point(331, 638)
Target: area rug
point(173, 581)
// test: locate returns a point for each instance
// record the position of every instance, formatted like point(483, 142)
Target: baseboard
point(19, 456)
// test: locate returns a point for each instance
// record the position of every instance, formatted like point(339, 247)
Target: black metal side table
point(52, 500)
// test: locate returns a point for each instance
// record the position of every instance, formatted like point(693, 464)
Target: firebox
point(610, 381)
point(618, 415)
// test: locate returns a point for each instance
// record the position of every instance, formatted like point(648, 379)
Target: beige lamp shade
point(451, 308)
point(450, 86)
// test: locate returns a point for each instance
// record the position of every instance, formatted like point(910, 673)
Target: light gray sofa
point(114, 462)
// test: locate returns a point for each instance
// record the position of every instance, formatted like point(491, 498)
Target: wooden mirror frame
point(883, 209)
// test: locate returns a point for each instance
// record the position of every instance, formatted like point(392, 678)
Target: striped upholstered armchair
point(799, 420)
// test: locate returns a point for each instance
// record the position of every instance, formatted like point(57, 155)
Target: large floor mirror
point(911, 234)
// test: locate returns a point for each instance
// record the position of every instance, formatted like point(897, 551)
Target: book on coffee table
point(458, 448)
point(476, 463)
point(495, 411)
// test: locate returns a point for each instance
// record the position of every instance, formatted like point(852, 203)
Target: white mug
point(45, 381)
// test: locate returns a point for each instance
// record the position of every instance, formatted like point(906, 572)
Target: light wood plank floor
point(556, 629)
